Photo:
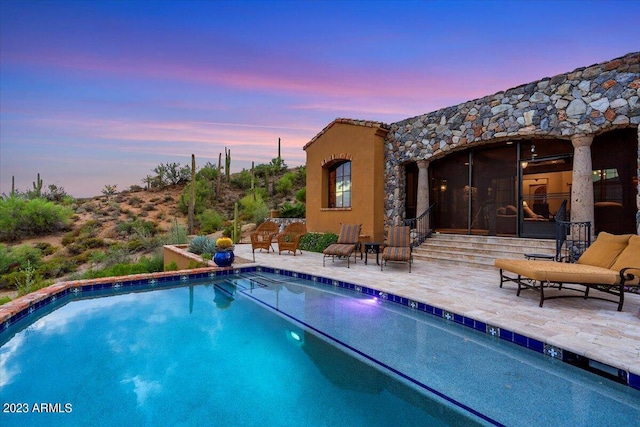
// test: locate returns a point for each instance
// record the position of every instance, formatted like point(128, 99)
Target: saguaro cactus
point(253, 181)
point(227, 162)
point(37, 186)
point(219, 177)
point(192, 198)
point(279, 157)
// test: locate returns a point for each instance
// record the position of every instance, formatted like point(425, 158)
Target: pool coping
point(20, 308)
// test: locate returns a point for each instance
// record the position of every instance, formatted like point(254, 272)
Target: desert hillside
point(109, 220)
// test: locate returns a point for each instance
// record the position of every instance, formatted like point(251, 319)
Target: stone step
point(479, 251)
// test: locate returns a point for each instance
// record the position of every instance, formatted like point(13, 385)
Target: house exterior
point(345, 178)
point(499, 165)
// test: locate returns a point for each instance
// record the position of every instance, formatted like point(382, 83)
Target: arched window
point(340, 185)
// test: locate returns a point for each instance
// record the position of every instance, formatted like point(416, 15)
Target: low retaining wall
point(183, 258)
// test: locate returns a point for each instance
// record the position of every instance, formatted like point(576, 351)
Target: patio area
point(589, 328)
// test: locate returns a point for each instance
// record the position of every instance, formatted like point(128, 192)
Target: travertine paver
point(586, 327)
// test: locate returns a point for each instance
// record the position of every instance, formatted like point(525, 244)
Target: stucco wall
point(363, 144)
point(587, 101)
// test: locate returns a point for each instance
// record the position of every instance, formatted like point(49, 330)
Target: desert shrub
point(56, 194)
point(202, 244)
point(210, 221)
point(57, 267)
point(135, 201)
point(75, 248)
point(27, 280)
point(260, 214)
point(21, 217)
point(177, 235)
point(293, 211)
point(254, 208)
point(135, 244)
point(91, 227)
point(46, 248)
point(285, 183)
point(116, 254)
point(205, 197)
point(301, 195)
point(93, 243)
point(5, 260)
point(208, 172)
point(68, 238)
point(301, 175)
point(172, 266)
point(24, 255)
point(144, 265)
point(242, 179)
point(317, 242)
point(137, 226)
point(149, 207)
point(135, 188)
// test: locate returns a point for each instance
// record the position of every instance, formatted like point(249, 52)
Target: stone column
point(422, 201)
point(582, 187)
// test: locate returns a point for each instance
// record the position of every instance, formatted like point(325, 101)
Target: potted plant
point(224, 252)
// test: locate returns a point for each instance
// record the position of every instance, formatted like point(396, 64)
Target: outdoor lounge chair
point(263, 236)
point(398, 246)
point(289, 239)
point(610, 265)
point(348, 242)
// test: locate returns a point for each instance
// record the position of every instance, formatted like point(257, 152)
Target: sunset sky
point(96, 93)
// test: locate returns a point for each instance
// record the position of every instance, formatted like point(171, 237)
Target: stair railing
point(420, 227)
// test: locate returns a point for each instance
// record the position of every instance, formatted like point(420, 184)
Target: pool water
point(271, 350)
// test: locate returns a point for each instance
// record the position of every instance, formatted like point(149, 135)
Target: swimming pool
point(137, 349)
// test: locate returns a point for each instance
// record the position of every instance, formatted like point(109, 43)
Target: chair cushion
point(396, 253)
point(630, 257)
point(338, 249)
point(560, 272)
point(604, 251)
point(399, 236)
point(349, 233)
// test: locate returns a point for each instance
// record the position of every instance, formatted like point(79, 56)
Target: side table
point(372, 248)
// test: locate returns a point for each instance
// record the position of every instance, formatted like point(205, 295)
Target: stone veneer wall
point(586, 101)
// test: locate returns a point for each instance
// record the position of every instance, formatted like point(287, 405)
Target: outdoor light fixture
point(443, 185)
point(295, 336)
point(524, 164)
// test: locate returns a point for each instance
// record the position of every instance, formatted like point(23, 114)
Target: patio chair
point(289, 239)
point(348, 242)
point(263, 236)
point(398, 246)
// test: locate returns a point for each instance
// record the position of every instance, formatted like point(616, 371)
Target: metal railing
point(420, 227)
point(572, 239)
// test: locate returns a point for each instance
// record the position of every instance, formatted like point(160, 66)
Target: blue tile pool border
point(75, 290)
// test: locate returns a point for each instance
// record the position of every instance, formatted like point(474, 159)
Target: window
point(607, 185)
point(340, 185)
